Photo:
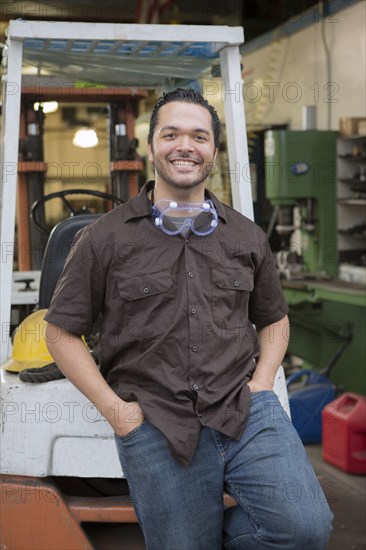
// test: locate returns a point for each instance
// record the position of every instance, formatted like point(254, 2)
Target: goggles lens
point(174, 218)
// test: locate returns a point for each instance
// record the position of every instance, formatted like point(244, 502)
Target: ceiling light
point(85, 138)
point(47, 106)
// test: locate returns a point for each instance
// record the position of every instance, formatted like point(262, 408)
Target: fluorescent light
point(85, 138)
point(47, 106)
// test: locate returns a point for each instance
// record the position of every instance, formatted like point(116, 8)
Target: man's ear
point(149, 148)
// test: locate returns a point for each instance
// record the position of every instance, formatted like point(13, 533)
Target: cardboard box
point(352, 274)
point(362, 128)
point(350, 126)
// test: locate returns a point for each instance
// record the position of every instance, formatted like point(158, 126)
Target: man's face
point(183, 149)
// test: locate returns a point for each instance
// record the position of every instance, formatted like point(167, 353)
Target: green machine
point(327, 316)
point(301, 184)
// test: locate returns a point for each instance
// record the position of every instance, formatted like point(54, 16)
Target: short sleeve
point(79, 293)
point(267, 303)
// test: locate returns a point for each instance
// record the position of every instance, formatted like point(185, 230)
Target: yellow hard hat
point(29, 346)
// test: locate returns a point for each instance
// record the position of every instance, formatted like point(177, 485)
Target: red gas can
point(344, 433)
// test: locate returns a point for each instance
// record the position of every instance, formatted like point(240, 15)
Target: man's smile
point(184, 162)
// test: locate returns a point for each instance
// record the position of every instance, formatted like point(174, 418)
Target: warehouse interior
point(84, 111)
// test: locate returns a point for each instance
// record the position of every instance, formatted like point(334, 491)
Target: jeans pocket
point(261, 393)
point(259, 398)
point(131, 434)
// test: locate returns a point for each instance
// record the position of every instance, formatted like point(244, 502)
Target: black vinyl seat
point(57, 249)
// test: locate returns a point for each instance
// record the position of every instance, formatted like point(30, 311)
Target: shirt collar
point(141, 206)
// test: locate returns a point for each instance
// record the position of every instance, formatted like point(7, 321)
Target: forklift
point(61, 480)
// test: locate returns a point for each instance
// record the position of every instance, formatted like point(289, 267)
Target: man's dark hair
point(187, 95)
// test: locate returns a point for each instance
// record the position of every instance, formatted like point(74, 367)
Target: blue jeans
point(280, 502)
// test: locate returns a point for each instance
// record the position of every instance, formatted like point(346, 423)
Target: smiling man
point(185, 380)
point(183, 153)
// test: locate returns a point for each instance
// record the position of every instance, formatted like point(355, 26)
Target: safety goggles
point(174, 217)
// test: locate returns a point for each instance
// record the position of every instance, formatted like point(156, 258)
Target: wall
point(291, 72)
point(295, 70)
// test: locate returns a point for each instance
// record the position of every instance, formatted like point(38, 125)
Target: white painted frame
point(226, 39)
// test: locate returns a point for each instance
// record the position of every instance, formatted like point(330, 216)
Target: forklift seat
point(57, 249)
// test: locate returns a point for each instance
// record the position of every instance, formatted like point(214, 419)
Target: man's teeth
point(183, 163)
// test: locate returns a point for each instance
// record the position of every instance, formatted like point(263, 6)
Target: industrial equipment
point(301, 184)
point(326, 315)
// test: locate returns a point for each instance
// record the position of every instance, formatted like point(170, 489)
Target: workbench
point(324, 315)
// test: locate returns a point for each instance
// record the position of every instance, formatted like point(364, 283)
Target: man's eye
point(200, 138)
point(169, 136)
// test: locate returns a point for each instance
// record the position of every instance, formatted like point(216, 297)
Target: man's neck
point(161, 191)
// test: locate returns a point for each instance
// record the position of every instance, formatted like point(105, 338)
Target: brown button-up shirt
point(177, 330)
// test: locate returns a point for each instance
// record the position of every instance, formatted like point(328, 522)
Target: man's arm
point(273, 341)
point(75, 361)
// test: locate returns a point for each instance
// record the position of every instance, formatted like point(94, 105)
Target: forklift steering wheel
point(36, 206)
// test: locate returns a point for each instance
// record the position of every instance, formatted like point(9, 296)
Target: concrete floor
point(345, 493)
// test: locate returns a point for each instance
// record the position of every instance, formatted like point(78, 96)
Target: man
point(185, 380)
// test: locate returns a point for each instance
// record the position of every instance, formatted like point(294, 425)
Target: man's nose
point(185, 143)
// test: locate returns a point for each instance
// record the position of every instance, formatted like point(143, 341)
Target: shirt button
point(195, 387)
point(193, 311)
point(146, 290)
point(190, 274)
point(236, 283)
point(194, 348)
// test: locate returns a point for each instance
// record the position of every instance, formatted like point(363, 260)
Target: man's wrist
point(124, 416)
point(262, 378)
point(255, 386)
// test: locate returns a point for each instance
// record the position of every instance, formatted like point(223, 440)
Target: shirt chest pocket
point(231, 288)
point(147, 304)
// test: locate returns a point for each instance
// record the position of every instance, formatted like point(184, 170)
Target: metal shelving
point(351, 213)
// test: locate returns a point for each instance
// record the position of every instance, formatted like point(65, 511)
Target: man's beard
point(162, 169)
